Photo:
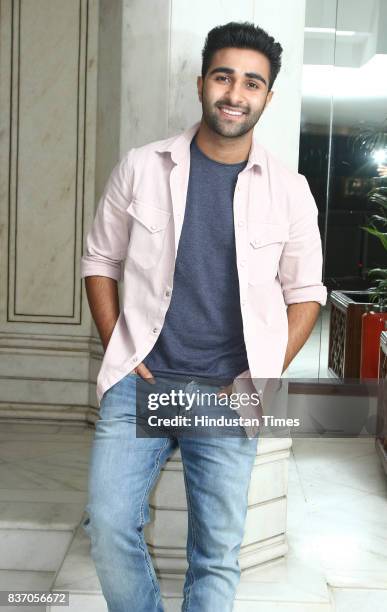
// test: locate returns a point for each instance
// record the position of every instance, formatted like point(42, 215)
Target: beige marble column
point(48, 146)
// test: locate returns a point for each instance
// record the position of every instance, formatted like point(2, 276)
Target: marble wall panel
point(145, 71)
point(47, 82)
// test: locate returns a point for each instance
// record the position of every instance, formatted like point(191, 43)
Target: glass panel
point(359, 142)
point(343, 154)
point(314, 155)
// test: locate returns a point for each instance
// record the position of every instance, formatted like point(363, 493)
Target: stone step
point(34, 536)
point(287, 584)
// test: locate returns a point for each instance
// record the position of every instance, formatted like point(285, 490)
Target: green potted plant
point(377, 226)
point(373, 320)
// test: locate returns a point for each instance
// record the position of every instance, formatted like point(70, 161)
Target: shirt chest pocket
point(147, 235)
point(266, 242)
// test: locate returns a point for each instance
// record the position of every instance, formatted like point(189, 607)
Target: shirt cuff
point(98, 268)
point(313, 293)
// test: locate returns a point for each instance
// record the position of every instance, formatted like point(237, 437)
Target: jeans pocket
point(119, 400)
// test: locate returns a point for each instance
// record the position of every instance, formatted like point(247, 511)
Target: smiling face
point(234, 92)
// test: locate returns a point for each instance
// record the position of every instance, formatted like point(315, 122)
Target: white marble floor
point(337, 514)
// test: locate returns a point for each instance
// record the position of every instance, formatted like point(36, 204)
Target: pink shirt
point(135, 236)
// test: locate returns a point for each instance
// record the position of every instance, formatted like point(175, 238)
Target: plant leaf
point(380, 271)
point(375, 232)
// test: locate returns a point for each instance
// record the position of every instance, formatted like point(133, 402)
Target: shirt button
point(168, 293)
point(134, 358)
point(242, 263)
point(240, 224)
point(153, 227)
point(256, 242)
point(243, 302)
point(155, 330)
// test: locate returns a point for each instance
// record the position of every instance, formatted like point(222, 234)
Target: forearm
point(102, 295)
point(301, 320)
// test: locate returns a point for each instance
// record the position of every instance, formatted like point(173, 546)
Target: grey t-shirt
point(202, 333)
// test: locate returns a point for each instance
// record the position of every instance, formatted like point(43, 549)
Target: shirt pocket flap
point(268, 233)
point(153, 218)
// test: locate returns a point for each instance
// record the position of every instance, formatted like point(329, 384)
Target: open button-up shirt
point(135, 236)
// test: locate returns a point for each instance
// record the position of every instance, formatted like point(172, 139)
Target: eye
point(254, 85)
point(221, 78)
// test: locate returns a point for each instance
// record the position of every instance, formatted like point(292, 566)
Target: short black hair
point(242, 35)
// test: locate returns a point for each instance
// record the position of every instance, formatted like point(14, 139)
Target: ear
point(269, 97)
point(199, 84)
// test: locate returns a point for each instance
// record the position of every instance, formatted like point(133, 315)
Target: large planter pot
point(373, 323)
point(347, 308)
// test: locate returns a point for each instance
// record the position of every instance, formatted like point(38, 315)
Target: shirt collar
point(179, 147)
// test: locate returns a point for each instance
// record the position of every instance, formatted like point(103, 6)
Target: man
point(222, 276)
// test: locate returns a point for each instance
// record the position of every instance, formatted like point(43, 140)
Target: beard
point(229, 128)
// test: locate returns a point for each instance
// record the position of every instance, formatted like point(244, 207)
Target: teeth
point(230, 112)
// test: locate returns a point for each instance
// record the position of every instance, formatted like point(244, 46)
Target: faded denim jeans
point(123, 469)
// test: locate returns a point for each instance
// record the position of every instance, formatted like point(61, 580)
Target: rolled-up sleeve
point(108, 237)
point(300, 267)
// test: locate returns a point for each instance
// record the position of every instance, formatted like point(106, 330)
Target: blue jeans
point(123, 469)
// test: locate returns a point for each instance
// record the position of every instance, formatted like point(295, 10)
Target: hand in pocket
point(146, 374)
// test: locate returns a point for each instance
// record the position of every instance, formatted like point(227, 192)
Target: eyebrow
point(250, 75)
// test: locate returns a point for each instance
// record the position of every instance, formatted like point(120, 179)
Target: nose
point(235, 95)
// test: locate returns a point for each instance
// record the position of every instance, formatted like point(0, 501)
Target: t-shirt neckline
point(214, 161)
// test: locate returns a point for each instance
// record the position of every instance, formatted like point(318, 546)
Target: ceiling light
point(330, 31)
point(380, 156)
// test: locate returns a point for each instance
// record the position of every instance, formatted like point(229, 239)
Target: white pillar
point(265, 528)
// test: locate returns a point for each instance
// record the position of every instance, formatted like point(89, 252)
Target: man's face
point(234, 92)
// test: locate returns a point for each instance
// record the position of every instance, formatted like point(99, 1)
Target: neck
point(222, 149)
